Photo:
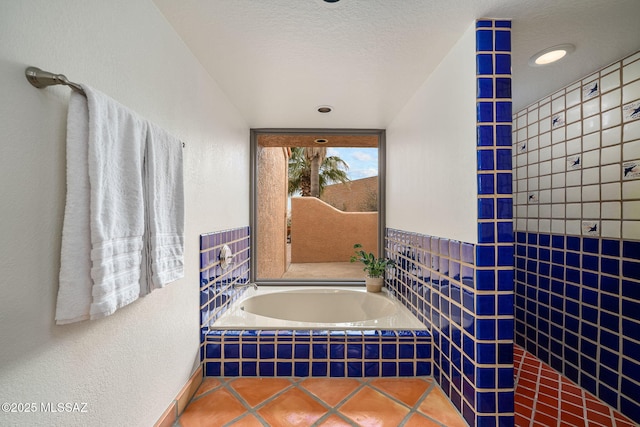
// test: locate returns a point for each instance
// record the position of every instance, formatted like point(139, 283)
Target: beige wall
point(354, 196)
point(272, 212)
point(127, 367)
point(321, 233)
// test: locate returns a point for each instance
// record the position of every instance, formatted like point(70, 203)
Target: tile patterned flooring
point(545, 398)
point(321, 402)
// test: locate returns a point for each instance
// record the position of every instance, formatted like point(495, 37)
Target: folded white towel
point(74, 293)
point(117, 139)
point(164, 209)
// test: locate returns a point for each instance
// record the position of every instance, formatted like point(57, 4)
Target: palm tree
point(310, 170)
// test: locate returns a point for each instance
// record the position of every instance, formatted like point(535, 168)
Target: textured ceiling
point(278, 60)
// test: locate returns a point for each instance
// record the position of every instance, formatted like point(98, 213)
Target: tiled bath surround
point(324, 353)
point(318, 353)
point(462, 291)
point(217, 290)
point(577, 208)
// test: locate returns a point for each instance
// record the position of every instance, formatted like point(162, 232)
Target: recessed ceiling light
point(552, 54)
point(320, 141)
point(325, 109)
point(331, 1)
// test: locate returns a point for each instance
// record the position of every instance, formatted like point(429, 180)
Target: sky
point(363, 162)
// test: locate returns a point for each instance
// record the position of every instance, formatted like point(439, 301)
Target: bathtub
point(317, 307)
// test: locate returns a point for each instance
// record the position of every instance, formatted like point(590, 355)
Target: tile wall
point(216, 283)
point(318, 353)
point(464, 292)
point(576, 182)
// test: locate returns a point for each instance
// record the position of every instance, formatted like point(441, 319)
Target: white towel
point(164, 209)
point(117, 139)
point(74, 293)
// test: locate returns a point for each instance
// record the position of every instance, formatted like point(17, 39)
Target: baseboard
point(169, 417)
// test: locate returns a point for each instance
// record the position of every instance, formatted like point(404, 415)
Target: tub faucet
point(245, 285)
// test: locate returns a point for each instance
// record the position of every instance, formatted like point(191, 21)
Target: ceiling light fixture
point(325, 109)
point(331, 1)
point(320, 141)
point(552, 54)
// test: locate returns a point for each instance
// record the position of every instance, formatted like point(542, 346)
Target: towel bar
point(40, 79)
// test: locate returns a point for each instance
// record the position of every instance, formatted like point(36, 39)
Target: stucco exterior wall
point(272, 212)
point(321, 233)
point(356, 196)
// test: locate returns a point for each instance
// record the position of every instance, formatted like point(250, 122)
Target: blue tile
point(557, 242)
point(486, 402)
point(503, 24)
point(231, 369)
point(388, 351)
point(503, 112)
point(249, 369)
point(573, 243)
point(301, 369)
point(611, 247)
point(484, 63)
point(319, 351)
point(336, 369)
point(371, 369)
point(250, 350)
point(486, 232)
point(213, 369)
point(503, 63)
point(503, 87)
point(486, 183)
point(631, 250)
point(485, 87)
point(484, 40)
point(485, 160)
point(336, 351)
point(485, 256)
point(284, 351)
point(505, 256)
point(485, 112)
point(504, 183)
point(485, 280)
point(483, 23)
point(485, 305)
point(354, 369)
point(318, 369)
point(504, 209)
point(503, 157)
point(405, 369)
point(503, 41)
point(485, 329)
point(630, 269)
point(505, 280)
point(301, 351)
point(485, 209)
point(389, 369)
point(503, 135)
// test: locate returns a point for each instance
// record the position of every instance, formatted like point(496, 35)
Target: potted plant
point(374, 267)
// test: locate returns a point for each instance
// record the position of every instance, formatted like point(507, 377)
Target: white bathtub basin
point(317, 307)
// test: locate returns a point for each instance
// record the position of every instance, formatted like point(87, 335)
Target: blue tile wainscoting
point(578, 310)
point(465, 292)
point(217, 290)
point(576, 157)
point(469, 310)
point(318, 353)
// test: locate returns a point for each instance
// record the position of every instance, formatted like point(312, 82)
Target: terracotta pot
point(374, 284)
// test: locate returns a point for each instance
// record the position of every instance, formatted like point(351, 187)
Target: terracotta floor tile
point(437, 406)
point(247, 421)
point(601, 419)
point(368, 407)
point(408, 390)
point(418, 420)
point(521, 421)
point(214, 409)
point(256, 390)
point(292, 408)
point(334, 421)
point(208, 384)
point(331, 390)
point(544, 419)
